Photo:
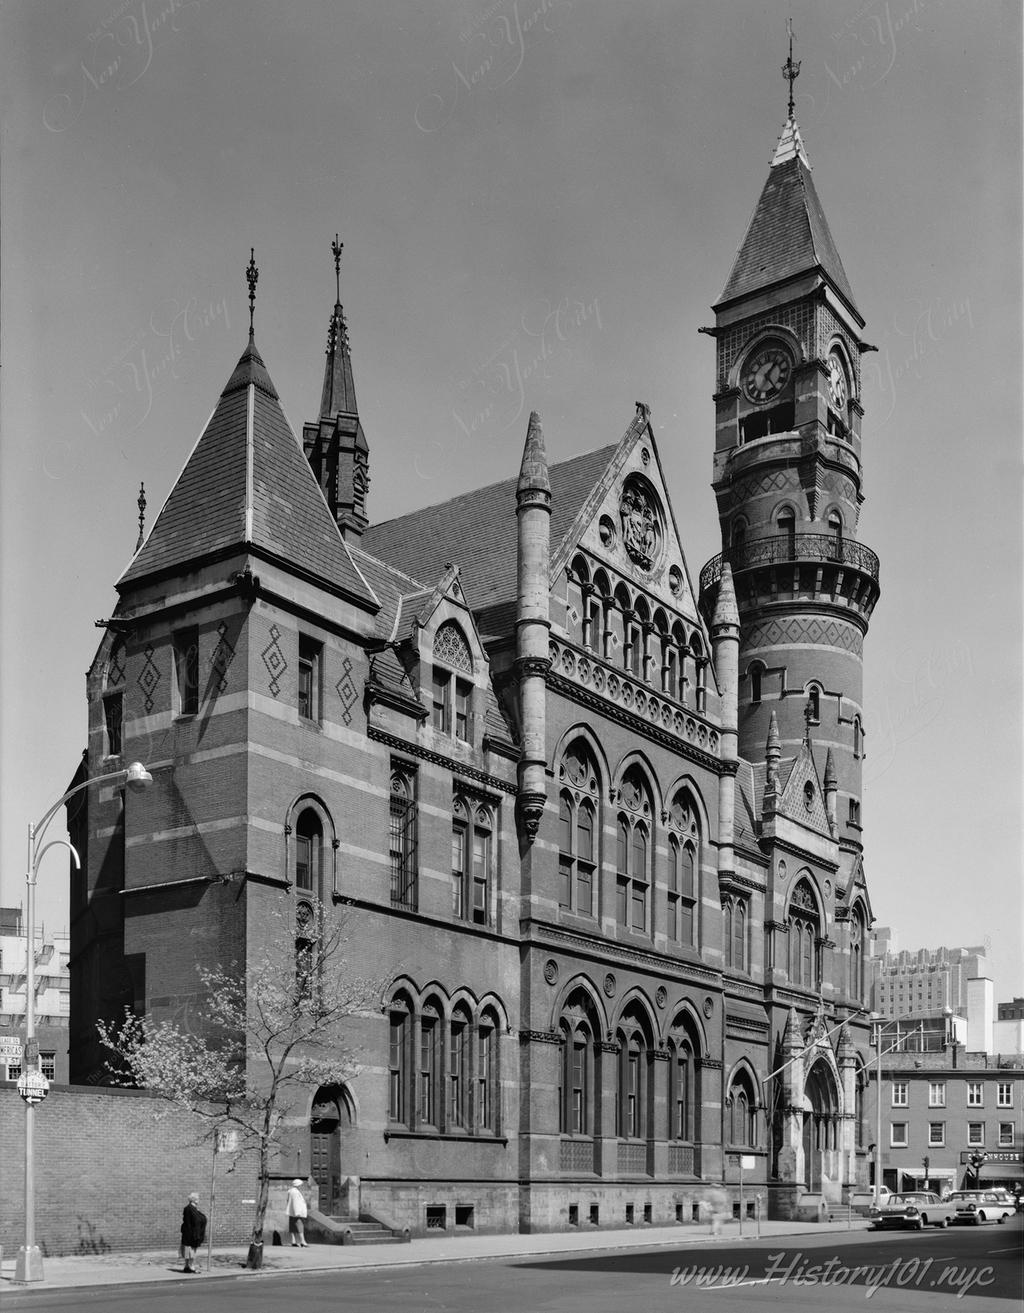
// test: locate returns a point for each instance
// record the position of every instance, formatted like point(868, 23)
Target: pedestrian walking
point(297, 1214)
point(193, 1231)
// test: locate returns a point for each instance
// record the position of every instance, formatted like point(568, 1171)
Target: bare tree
point(265, 1028)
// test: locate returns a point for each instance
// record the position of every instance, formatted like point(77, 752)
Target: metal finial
point(791, 68)
point(252, 277)
point(141, 503)
point(337, 247)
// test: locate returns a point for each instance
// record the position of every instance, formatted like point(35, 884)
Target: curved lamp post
point(32, 1086)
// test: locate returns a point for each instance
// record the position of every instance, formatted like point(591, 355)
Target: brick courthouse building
point(596, 819)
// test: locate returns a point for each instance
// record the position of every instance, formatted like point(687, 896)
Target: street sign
point(748, 1161)
point(33, 1086)
point(10, 1046)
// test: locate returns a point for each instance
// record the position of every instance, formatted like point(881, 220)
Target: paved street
point(975, 1268)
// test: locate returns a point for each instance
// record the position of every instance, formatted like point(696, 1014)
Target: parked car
point(914, 1209)
point(861, 1201)
point(976, 1206)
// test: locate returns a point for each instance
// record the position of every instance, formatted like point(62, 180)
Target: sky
point(539, 200)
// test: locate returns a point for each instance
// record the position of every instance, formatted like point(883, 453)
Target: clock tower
point(788, 480)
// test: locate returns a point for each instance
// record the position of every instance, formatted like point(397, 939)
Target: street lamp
point(32, 1086)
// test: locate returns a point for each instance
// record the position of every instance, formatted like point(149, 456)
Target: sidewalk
point(165, 1265)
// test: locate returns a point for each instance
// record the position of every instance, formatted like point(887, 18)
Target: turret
point(533, 512)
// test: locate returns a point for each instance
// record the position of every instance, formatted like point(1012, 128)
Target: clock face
point(836, 382)
point(767, 372)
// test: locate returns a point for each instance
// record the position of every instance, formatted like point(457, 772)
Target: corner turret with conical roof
point(335, 444)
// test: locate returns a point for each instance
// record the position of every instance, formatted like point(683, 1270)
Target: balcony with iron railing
point(822, 563)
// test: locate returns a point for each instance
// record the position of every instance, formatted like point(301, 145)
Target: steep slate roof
point(248, 484)
point(477, 531)
point(788, 233)
point(791, 802)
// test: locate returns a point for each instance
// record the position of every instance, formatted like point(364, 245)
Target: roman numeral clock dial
point(766, 372)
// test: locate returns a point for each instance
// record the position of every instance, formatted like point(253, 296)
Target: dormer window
point(452, 696)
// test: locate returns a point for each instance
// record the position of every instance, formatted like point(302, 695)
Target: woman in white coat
point(297, 1213)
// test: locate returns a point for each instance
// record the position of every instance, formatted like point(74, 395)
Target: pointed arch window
point(403, 837)
point(857, 954)
point(683, 886)
point(814, 703)
point(700, 670)
point(399, 1033)
point(734, 932)
point(430, 1044)
point(458, 1070)
point(578, 828)
point(576, 1078)
point(756, 673)
point(633, 1080)
point(472, 833)
point(487, 1073)
point(633, 852)
point(741, 1104)
point(682, 1077)
point(452, 695)
point(804, 931)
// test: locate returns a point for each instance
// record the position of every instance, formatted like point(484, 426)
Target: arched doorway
point(330, 1116)
point(820, 1122)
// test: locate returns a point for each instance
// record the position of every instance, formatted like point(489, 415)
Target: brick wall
point(113, 1169)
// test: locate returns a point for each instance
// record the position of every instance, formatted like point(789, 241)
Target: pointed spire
point(790, 145)
point(726, 611)
point(338, 396)
point(772, 755)
point(533, 473)
point(830, 772)
point(791, 1037)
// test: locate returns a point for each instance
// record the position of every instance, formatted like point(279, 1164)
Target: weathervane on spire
point(252, 277)
point(141, 503)
point(337, 248)
point(791, 68)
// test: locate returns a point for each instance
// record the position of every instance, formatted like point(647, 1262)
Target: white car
point(977, 1206)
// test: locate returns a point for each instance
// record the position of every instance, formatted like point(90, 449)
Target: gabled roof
point(788, 234)
point(477, 531)
point(793, 800)
point(247, 484)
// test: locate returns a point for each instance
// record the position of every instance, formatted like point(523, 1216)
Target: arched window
point(803, 923)
point(741, 1102)
point(601, 612)
point(428, 1073)
point(858, 738)
point(683, 887)
point(857, 955)
point(633, 1081)
point(739, 532)
point(578, 588)
point(814, 703)
point(403, 837)
point(472, 828)
point(785, 524)
point(578, 828)
point(681, 1093)
point(700, 669)
point(734, 932)
point(399, 1039)
point(579, 1085)
point(452, 695)
point(756, 672)
point(835, 529)
point(633, 851)
point(458, 1070)
point(486, 1110)
point(309, 844)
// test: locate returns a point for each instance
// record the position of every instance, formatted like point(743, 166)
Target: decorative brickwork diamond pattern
point(149, 678)
point(794, 630)
point(220, 661)
point(115, 671)
point(274, 660)
point(346, 690)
